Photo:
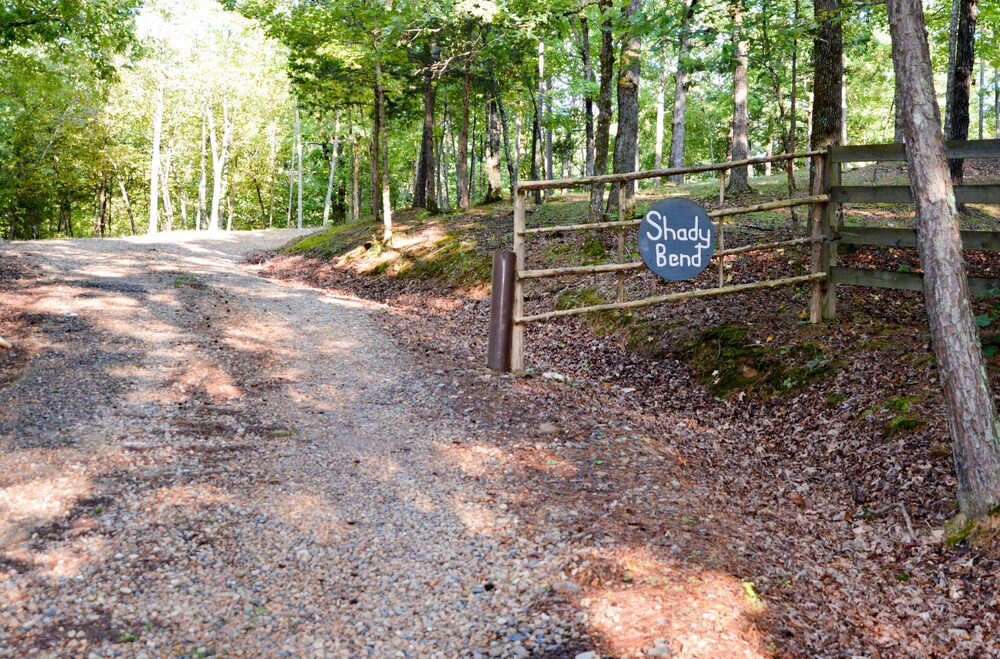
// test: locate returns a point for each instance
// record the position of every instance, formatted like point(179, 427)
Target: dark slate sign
point(676, 239)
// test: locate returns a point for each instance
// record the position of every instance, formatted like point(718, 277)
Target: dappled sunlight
point(71, 556)
point(476, 459)
point(311, 514)
point(166, 499)
point(208, 378)
point(38, 501)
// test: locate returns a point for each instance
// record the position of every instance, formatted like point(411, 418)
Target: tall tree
point(681, 85)
point(828, 48)
point(963, 65)
point(154, 169)
point(602, 137)
point(627, 140)
point(738, 182)
point(972, 415)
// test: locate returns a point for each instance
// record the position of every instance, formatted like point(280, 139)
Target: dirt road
point(196, 460)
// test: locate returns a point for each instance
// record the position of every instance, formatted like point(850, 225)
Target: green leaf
point(984, 320)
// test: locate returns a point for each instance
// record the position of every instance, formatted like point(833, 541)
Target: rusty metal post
point(501, 311)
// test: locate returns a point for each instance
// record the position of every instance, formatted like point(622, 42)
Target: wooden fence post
point(823, 305)
point(517, 336)
point(622, 187)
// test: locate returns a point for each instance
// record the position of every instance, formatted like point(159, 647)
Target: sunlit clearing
point(635, 596)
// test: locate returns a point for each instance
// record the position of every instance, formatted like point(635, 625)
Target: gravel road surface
point(199, 461)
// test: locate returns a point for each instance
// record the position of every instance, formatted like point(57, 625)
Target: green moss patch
point(726, 360)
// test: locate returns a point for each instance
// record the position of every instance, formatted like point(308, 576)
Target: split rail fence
point(825, 200)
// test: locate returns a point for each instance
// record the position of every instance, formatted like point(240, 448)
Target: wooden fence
point(897, 237)
point(825, 200)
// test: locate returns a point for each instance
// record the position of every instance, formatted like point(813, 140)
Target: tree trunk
point(272, 137)
point(547, 116)
point(828, 48)
point(536, 139)
point(681, 86)
point(472, 161)
point(964, 66)
point(539, 118)
point(981, 91)
point(355, 169)
point(328, 201)
point(291, 188)
point(996, 103)
point(373, 152)
point(154, 171)
point(741, 124)
point(602, 137)
point(168, 205)
point(124, 192)
point(103, 205)
point(658, 147)
point(505, 130)
point(969, 406)
point(462, 155)
point(202, 176)
point(792, 128)
point(424, 189)
point(180, 198)
point(298, 156)
point(952, 42)
point(493, 182)
point(588, 97)
point(220, 156)
point(384, 143)
point(627, 140)
point(897, 101)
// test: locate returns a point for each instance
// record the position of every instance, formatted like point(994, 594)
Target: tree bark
point(828, 48)
point(328, 201)
point(536, 138)
point(969, 406)
point(741, 124)
point(355, 169)
point(962, 72)
point(952, 41)
point(298, 157)
point(602, 138)
point(627, 140)
point(154, 172)
point(982, 92)
point(202, 175)
point(505, 130)
point(681, 86)
point(384, 141)
point(125, 200)
point(658, 147)
point(898, 135)
point(168, 204)
point(792, 128)
point(220, 156)
point(462, 156)
point(588, 97)
point(272, 136)
point(493, 183)
point(102, 205)
point(424, 189)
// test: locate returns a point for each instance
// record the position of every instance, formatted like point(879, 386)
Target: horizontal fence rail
point(957, 149)
point(673, 297)
point(658, 173)
point(901, 194)
point(904, 281)
point(899, 237)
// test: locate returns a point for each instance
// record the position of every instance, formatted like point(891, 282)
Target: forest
point(134, 117)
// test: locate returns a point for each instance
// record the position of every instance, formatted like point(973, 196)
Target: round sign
point(676, 239)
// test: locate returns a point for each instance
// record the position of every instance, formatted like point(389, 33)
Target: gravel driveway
point(199, 461)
